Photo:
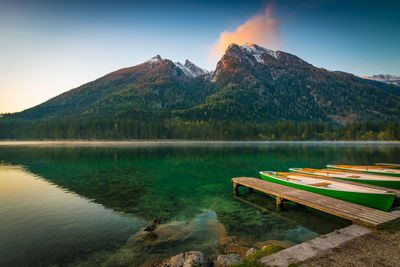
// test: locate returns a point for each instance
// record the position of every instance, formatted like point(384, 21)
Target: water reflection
point(85, 204)
point(39, 222)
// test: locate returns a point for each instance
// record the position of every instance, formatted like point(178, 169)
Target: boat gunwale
point(366, 169)
point(363, 175)
point(388, 165)
point(364, 190)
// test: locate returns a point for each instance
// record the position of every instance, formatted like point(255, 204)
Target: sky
point(49, 47)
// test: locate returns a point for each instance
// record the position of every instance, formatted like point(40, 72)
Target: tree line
point(117, 129)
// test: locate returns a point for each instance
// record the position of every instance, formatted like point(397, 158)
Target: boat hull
point(383, 183)
point(377, 201)
point(370, 172)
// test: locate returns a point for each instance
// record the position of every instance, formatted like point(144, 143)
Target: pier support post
point(236, 189)
point(279, 204)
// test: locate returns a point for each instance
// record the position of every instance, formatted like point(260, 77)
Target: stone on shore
point(311, 248)
point(250, 251)
point(284, 244)
point(227, 260)
point(188, 259)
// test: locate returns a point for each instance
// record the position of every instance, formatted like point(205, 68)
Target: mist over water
point(84, 203)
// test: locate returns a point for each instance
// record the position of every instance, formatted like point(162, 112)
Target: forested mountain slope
point(250, 86)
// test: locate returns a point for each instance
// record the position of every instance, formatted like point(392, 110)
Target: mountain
point(388, 88)
point(385, 78)
point(157, 84)
point(254, 84)
point(250, 84)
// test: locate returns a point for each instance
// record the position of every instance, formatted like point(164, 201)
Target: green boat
point(368, 169)
point(389, 165)
point(374, 198)
point(359, 177)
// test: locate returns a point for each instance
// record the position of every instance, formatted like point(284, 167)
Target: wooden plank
point(363, 211)
point(354, 212)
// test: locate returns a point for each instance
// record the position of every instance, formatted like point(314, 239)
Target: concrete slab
point(311, 248)
point(396, 211)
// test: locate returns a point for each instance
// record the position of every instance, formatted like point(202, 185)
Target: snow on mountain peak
point(154, 59)
point(257, 51)
point(195, 69)
point(385, 78)
point(254, 46)
point(190, 69)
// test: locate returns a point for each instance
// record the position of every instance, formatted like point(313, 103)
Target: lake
point(85, 203)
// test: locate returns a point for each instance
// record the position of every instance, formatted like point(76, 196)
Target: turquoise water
point(84, 204)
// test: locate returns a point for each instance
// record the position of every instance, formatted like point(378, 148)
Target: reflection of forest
point(180, 181)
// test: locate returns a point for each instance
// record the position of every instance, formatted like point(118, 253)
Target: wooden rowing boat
point(368, 169)
point(374, 198)
point(359, 177)
point(388, 165)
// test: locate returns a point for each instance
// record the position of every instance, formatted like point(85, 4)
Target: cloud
point(261, 29)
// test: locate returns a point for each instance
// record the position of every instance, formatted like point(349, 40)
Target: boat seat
point(321, 184)
point(294, 179)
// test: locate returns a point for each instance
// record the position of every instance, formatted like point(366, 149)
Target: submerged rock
point(188, 259)
point(175, 236)
point(231, 245)
point(154, 263)
point(152, 225)
point(150, 236)
point(227, 260)
point(164, 236)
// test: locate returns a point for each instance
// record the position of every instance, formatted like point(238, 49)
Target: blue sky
point(48, 47)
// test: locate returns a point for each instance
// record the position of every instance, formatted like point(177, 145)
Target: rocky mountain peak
point(155, 59)
point(250, 53)
point(385, 78)
point(190, 69)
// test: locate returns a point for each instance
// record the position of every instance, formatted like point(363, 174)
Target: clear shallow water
point(82, 204)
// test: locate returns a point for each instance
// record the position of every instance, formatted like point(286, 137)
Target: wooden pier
point(350, 211)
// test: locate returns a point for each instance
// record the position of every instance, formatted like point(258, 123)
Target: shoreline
point(354, 244)
point(377, 248)
point(140, 142)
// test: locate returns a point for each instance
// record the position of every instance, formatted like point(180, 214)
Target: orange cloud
point(261, 29)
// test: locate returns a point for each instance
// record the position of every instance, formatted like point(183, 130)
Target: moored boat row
point(312, 180)
point(365, 178)
point(375, 169)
